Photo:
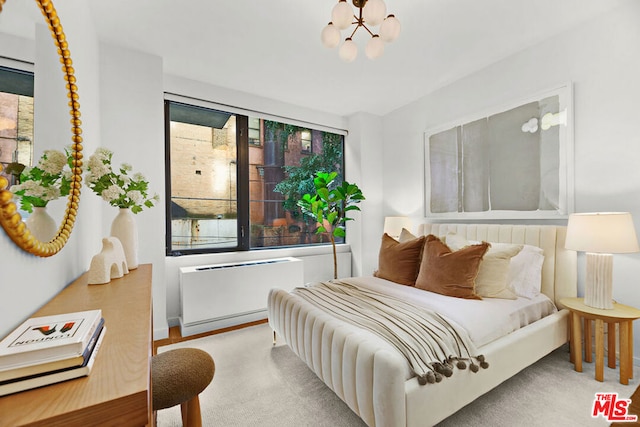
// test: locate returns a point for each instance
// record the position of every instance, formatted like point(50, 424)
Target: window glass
point(228, 192)
point(203, 158)
point(285, 170)
point(16, 121)
point(305, 140)
point(254, 131)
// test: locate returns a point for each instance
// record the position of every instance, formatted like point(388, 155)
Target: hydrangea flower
point(47, 181)
point(118, 188)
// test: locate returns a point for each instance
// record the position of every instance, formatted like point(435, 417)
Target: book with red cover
point(48, 338)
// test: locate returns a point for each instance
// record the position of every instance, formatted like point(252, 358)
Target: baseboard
point(220, 323)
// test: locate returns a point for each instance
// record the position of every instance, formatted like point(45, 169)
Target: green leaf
point(323, 193)
point(339, 232)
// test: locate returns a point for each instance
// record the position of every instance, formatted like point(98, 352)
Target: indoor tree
point(329, 207)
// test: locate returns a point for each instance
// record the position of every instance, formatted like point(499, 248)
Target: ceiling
point(272, 48)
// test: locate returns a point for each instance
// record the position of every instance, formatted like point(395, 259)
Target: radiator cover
point(222, 295)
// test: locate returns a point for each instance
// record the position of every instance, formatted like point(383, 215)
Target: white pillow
point(525, 273)
point(493, 274)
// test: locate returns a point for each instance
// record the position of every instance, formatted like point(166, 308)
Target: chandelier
point(370, 13)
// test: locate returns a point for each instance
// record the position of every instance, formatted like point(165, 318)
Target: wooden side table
point(623, 315)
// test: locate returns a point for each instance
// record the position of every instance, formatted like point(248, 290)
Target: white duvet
point(485, 320)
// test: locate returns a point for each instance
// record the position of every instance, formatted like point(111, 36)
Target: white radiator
point(221, 295)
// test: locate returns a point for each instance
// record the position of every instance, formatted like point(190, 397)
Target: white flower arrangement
point(47, 181)
point(118, 188)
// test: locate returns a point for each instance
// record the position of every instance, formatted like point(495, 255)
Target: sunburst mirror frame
point(10, 218)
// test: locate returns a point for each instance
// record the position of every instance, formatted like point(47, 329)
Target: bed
point(373, 378)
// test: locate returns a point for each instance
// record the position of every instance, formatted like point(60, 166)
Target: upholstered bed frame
point(370, 377)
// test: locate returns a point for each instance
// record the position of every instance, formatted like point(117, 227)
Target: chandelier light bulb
point(366, 15)
point(390, 29)
point(348, 51)
point(342, 15)
point(374, 12)
point(374, 48)
point(330, 36)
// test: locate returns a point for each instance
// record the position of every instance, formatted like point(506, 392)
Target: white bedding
point(485, 320)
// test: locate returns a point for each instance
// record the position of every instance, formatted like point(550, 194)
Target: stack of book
point(50, 349)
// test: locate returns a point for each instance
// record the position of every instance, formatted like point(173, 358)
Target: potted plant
point(329, 207)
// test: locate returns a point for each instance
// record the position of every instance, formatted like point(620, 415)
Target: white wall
point(601, 58)
point(132, 126)
point(363, 157)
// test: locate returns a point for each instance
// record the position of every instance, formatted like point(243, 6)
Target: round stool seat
point(179, 375)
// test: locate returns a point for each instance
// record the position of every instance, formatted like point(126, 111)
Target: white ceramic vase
point(124, 227)
point(41, 225)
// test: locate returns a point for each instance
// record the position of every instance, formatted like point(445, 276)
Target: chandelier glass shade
point(368, 14)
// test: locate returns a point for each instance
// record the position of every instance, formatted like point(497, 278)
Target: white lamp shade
point(330, 36)
point(374, 48)
point(374, 12)
point(390, 28)
point(348, 51)
point(602, 232)
point(393, 225)
point(342, 15)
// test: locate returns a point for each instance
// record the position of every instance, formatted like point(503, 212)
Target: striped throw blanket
point(432, 346)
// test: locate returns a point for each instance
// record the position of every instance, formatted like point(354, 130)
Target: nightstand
point(623, 315)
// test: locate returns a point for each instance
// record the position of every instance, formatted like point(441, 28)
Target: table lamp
point(600, 235)
point(393, 225)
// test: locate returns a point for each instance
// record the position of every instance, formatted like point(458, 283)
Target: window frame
point(242, 171)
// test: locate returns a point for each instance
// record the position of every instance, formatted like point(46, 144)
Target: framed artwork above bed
point(511, 162)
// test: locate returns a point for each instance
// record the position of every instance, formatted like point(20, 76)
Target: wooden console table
point(118, 390)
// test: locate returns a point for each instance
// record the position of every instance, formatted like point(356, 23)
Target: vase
point(124, 227)
point(41, 225)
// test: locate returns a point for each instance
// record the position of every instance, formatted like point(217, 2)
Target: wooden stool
point(177, 378)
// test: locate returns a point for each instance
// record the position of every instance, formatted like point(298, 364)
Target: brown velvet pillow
point(399, 262)
point(450, 273)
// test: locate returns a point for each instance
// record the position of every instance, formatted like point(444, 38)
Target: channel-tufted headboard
point(559, 270)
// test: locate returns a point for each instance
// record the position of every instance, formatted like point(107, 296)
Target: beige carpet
point(257, 384)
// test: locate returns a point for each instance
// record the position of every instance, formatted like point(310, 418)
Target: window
point(16, 121)
point(254, 131)
point(305, 139)
point(233, 180)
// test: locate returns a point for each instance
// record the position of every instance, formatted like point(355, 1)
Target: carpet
point(258, 384)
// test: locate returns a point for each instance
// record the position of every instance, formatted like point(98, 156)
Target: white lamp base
point(599, 281)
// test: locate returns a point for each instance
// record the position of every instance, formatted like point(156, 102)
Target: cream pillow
point(405, 236)
point(493, 274)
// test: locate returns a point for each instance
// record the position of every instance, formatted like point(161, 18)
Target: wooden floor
point(175, 336)
point(634, 409)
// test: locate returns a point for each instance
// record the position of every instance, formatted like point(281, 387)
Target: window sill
point(257, 254)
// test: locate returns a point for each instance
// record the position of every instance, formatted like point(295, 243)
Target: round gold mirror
point(10, 218)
